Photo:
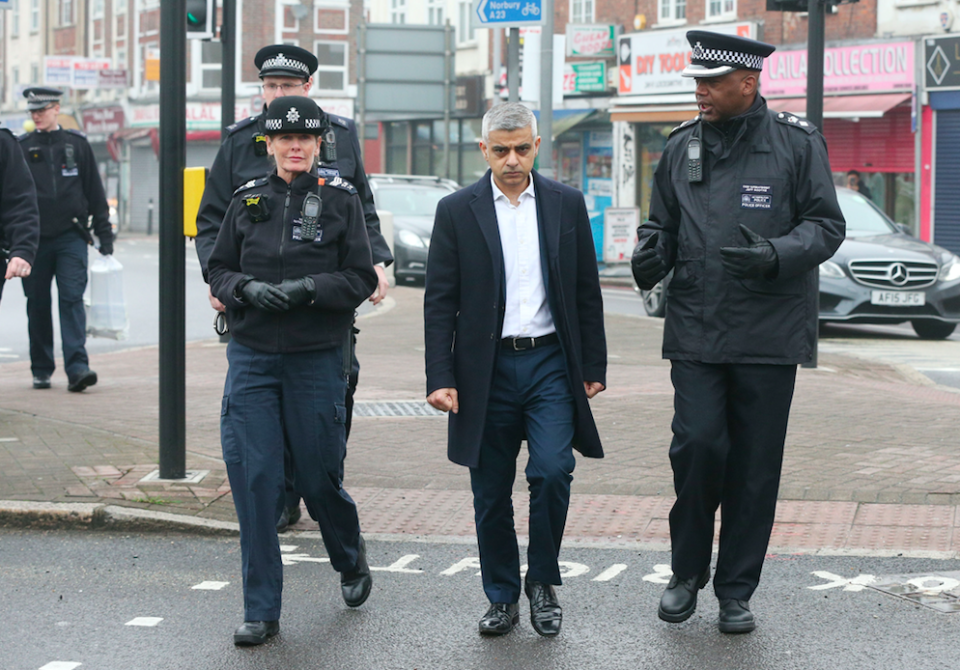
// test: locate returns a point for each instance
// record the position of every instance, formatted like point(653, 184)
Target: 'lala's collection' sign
point(857, 69)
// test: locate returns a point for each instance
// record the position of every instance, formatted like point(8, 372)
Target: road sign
point(506, 13)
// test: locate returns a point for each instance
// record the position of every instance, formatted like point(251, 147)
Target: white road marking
point(857, 583)
point(209, 586)
point(290, 559)
point(661, 574)
point(9, 356)
point(9, 439)
point(610, 572)
point(400, 565)
point(288, 547)
point(571, 569)
point(469, 563)
point(934, 584)
point(61, 665)
point(144, 621)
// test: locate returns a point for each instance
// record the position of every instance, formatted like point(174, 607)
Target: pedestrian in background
point(69, 193)
point(855, 182)
point(287, 70)
point(19, 218)
point(515, 347)
point(290, 306)
point(743, 210)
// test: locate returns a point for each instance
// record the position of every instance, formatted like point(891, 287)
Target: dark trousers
point(729, 427)
point(65, 258)
point(269, 399)
point(530, 399)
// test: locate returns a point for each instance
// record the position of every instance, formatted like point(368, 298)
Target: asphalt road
point(75, 598)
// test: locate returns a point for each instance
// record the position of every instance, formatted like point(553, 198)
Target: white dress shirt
point(527, 313)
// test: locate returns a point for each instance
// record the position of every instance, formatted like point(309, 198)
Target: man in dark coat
point(69, 194)
point(19, 217)
point(515, 346)
point(744, 210)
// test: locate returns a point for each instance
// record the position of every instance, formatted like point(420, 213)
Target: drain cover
point(939, 590)
point(398, 408)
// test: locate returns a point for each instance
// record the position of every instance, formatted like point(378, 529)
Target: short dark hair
point(852, 172)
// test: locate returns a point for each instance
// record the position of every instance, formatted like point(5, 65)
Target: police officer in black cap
point(287, 70)
point(72, 202)
point(19, 218)
point(744, 211)
point(289, 307)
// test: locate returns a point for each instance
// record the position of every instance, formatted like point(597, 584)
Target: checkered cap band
point(727, 57)
point(281, 61)
point(34, 98)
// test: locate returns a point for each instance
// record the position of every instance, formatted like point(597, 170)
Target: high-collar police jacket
point(261, 237)
point(19, 221)
point(243, 156)
point(68, 183)
point(768, 171)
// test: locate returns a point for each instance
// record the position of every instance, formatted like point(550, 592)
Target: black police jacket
point(68, 184)
point(261, 237)
point(243, 156)
point(770, 173)
point(19, 217)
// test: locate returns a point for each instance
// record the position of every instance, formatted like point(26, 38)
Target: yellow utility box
point(194, 179)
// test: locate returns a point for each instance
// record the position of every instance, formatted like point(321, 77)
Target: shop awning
point(844, 106)
point(566, 119)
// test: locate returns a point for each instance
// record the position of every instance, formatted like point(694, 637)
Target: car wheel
point(933, 330)
point(655, 301)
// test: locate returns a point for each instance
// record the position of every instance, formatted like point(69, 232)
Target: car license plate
point(898, 298)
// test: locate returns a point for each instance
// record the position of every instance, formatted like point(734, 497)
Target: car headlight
point(950, 270)
point(831, 269)
point(411, 239)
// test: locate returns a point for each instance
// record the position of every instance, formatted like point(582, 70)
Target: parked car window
point(406, 200)
point(862, 216)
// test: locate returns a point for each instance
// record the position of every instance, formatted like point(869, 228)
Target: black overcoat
point(464, 305)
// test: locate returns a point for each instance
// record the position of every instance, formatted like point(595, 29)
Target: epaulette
point(339, 120)
point(4, 129)
point(341, 183)
point(796, 121)
point(242, 123)
point(251, 184)
point(683, 125)
point(23, 138)
point(76, 132)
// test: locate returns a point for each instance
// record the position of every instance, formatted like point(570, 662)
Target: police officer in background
point(286, 70)
point(19, 219)
point(743, 210)
point(69, 193)
point(290, 309)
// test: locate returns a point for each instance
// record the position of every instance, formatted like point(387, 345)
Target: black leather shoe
point(255, 632)
point(41, 381)
point(546, 614)
point(500, 619)
point(355, 584)
point(679, 600)
point(736, 617)
point(81, 381)
point(288, 517)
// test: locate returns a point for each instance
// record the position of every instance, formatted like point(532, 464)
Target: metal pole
point(546, 91)
point(815, 44)
point(447, 88)
point(362, 84)
point(173, 150)
point(497, 62)
point(228, 67)
point(513, 66)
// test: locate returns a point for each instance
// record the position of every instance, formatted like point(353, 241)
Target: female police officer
point(291, 263)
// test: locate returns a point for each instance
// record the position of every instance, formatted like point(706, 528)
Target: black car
point(412, 199)
point(879, 275)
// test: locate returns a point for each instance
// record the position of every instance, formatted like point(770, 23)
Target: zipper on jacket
point(283, 233)
point(53, 172)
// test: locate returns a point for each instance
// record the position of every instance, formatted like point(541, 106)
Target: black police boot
point(355, 584)
point(251, 633)
point(81, 381)
point(546, 614)
point(500, 619)
point(679, 600)
point(736, 617)
point(289, 516)
point(41, 381)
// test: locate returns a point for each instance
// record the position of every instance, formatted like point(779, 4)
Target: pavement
point(871, 464)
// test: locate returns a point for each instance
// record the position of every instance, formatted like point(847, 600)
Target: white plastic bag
point(107, 313)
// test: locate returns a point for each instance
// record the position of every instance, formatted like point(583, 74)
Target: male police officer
point(286, 70)
point(19, 219)
point(744, 210)
point(69, 192)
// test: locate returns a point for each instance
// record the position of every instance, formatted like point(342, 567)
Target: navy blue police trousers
point(268, 398)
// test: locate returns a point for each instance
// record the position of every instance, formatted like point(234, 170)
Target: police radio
point(694, 160)
point(70, 158)
point(328, 148)
point(310, 214)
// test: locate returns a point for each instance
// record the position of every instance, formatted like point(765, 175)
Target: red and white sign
point(858, 69)
point(650, 62)
point(102, 120)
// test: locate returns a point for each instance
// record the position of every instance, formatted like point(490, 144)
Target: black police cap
point(39, 97)
point(294, 114)
point(716, 54)
point(285, 60)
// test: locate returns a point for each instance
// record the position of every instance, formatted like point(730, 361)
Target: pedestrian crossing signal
point(200, 19)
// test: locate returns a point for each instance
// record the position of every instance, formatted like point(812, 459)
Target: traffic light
point(802, 5)
point(200, 19)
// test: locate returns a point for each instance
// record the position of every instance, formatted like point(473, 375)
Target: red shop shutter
point(871, 145)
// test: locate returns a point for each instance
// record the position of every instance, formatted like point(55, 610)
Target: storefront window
point(651, 138)
point(894, 193)
point(397, 147)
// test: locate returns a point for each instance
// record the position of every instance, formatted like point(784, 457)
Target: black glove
point(299, 291)
point(757, 259)
point(265, 296)
point(106, 248)
point(648, 268)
